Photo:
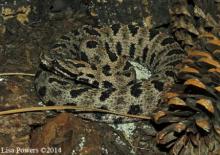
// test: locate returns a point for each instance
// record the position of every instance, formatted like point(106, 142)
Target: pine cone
point(190, 116)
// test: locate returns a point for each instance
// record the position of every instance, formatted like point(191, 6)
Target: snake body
point(121, 68)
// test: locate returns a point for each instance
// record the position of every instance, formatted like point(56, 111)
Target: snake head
point(46, 60)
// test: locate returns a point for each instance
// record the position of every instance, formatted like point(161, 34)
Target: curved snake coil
point(121, 68)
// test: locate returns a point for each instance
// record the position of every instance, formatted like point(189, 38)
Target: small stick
point(82, 109)
point(13, 74)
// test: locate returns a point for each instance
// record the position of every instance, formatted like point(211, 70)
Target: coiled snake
point(122, 68)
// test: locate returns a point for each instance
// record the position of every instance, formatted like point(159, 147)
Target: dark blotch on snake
point(91, 44)
point(90, 75)
point(42, 91)
point(83, 56)
point(135, 109)
point(112, 56)
point(106, 70)
point(132, 50)
point(76, 92)
point(115, 28)
point(118, 48)
point(105, 95)
point(136, 89)
point(92, 31)
point(107, 84)
point(133, 29)
point(158, 85)
point(168, 40)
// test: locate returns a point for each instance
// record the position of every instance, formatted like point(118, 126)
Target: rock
point(73, 135)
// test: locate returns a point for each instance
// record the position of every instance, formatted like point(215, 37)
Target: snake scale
point(121, 68)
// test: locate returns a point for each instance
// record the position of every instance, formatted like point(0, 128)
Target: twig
point(82, 109)
point(13, 74)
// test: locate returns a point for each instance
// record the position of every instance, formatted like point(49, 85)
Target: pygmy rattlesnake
point(122, 68)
